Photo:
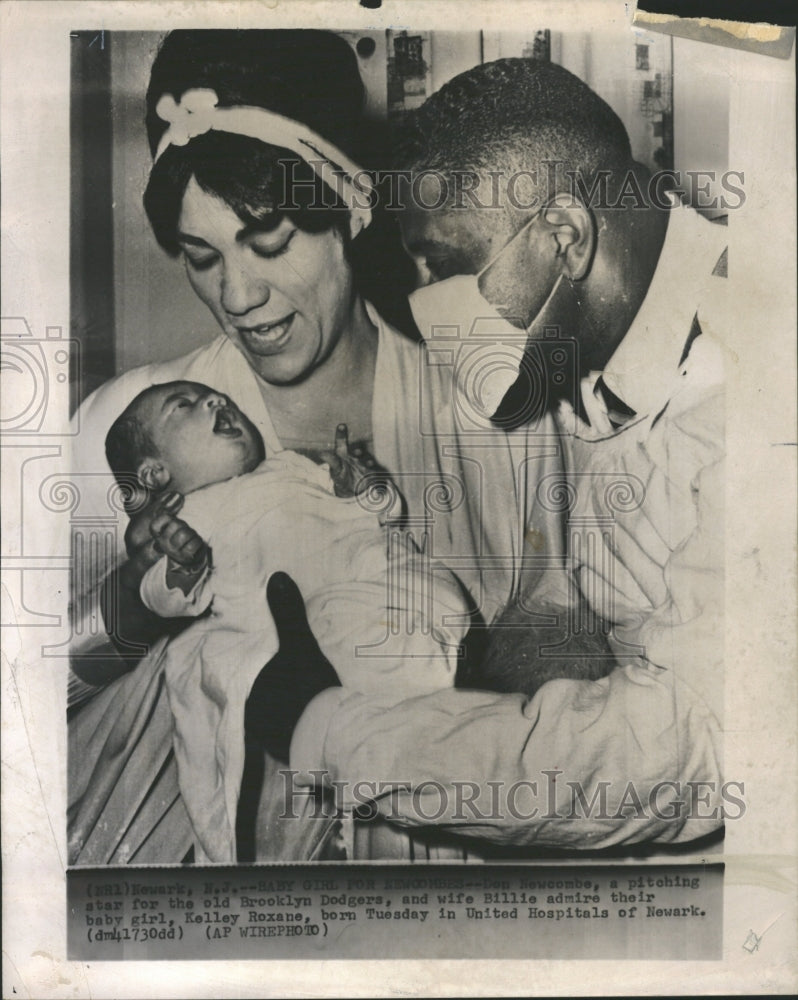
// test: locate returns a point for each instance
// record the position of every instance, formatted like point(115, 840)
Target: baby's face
point(201, 435)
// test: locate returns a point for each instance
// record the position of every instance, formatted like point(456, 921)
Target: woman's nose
point(242, 291)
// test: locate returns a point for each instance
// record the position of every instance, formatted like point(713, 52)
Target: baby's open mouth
point(224, 423)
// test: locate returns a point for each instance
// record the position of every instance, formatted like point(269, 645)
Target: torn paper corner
point(767, 39)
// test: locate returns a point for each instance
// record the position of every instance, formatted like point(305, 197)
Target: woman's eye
point(200, 263)
point(269, 251)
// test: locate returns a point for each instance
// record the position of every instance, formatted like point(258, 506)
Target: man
point(588, 245)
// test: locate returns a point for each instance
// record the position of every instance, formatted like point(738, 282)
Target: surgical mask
point(453, 316)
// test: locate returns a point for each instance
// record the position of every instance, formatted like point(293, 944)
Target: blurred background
point(130, 303)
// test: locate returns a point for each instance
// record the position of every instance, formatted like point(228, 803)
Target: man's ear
point(153, 474)
point(573, 230)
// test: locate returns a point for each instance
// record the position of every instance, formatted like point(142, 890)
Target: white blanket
point(389, 622)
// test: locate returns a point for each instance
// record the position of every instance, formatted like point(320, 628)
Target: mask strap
point(509, 242)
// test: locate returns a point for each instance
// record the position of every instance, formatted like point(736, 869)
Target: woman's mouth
point(267, 338)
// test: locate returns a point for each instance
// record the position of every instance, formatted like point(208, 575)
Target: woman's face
point(285, 296)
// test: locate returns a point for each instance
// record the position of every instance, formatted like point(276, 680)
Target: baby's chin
point(187, 487)
point(233, 473)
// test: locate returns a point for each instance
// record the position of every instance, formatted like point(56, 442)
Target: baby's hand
point(157, 531)
point(174, 538)
point(187, 553)
point(352, 469)
point(356, 472)
point(139, 541)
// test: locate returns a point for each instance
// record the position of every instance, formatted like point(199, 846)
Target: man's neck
point(629, 248)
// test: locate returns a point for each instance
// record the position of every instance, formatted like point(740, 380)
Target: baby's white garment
point(391, 625)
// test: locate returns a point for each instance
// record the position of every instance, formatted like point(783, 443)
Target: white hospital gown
point(391, 627)
point(656, 487)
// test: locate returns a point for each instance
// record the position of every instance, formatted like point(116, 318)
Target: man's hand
point(292, 678)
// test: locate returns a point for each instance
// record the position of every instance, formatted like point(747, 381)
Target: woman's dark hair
point(310, 76)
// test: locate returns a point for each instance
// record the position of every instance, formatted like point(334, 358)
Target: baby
point(390, 624)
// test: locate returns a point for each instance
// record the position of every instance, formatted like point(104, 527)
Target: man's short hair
point(513, 115)
point(128, 442)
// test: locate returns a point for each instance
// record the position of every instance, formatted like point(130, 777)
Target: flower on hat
point(189, 117)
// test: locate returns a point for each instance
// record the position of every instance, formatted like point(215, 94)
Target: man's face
point(200, 435)
point(449, 241)
point(445, 242)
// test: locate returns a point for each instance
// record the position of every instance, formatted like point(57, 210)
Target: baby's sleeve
point(173, 603)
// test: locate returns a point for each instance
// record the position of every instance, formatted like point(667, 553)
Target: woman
point(270, 215)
